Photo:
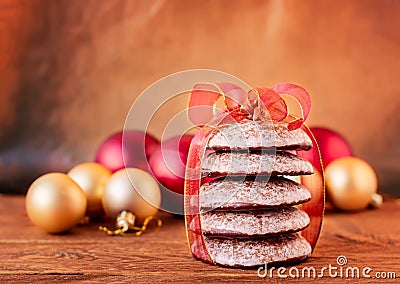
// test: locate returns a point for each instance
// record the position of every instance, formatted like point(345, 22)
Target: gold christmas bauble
point(131, 190)
point(55, 203)
point(91, 177)
point(351, 183)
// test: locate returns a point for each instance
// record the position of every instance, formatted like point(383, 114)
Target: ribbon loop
point(301, 96)
point(257, 104)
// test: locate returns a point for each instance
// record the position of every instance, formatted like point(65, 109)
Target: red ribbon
point(193, 182)
point(316, 185)
point(258, 103)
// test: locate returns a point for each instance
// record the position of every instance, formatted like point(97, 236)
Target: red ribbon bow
point(258, 103)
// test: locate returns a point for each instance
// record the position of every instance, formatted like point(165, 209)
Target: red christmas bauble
point(134, 146)
point(331, 144)
point(168, 162)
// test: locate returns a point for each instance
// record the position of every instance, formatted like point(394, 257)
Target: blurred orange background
point(70, 70)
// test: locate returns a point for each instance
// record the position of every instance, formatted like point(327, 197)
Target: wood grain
point(27, 254)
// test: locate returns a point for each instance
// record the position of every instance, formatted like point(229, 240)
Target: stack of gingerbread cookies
point(249, 215)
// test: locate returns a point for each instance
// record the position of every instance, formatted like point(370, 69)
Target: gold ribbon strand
point(126, 222)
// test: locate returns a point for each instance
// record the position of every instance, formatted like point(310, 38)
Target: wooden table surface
point(27, 254)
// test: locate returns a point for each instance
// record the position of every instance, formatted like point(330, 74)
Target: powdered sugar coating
point(251, 252)
point(253, 223)
point(244, 194)
point(263, 163)
point(249, 134)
